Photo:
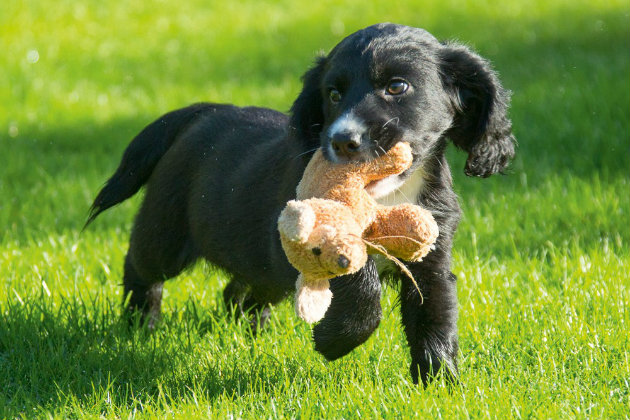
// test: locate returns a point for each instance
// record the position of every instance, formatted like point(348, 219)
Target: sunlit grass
point(542, 255)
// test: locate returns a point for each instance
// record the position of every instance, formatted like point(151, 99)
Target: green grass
point(542, 255)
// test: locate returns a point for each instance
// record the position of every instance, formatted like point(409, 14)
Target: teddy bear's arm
point(406, 231)
point(395, 161)
point(326, 179)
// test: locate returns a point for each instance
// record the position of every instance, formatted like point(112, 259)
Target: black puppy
point(217, 177)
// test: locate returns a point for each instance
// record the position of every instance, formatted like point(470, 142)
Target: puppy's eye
point(334, 95)
point(397, 87)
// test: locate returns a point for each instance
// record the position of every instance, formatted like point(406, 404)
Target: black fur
point(217, 177)
point(481, 125)
point(353, 315)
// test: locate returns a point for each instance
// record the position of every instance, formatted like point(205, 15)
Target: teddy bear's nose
point(343, 261)
point(316, 251)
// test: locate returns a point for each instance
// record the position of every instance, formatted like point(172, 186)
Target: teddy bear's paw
point(312, 300)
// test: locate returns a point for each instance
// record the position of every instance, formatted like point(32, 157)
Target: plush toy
point(334, 222)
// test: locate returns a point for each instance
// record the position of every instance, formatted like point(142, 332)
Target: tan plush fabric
point(312, 301)
point(346, 183)
point(406, 231)
point(324, 229)
point(316, 233)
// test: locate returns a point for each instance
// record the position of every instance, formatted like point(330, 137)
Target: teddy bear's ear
point(296, 222)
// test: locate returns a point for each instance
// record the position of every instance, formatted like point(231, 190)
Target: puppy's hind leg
point(141, 296)
point(159, 249)
point(238, 299)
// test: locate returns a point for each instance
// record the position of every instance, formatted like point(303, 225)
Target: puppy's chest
point(405, 193)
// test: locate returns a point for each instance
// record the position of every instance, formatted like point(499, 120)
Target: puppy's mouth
point(361, 154)
point(386, 186)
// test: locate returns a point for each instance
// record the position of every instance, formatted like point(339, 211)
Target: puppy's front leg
point(430, 322)
point(353, 315)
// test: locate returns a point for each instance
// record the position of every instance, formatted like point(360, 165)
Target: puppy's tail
point(141, 157)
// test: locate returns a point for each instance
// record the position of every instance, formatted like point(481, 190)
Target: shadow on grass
point(55, 356)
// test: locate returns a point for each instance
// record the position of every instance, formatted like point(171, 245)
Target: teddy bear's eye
point(397, 87)
point(334, 95)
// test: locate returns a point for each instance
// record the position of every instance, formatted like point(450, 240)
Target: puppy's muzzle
point(345, 137)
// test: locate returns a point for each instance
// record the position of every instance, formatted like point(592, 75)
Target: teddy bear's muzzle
point(342, 261)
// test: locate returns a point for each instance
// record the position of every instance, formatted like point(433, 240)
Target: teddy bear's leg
point(239, 300)
point(405, 231)
point(312, 299)
point(353, 315)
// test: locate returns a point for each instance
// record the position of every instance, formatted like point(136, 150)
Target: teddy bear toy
point(334, 223)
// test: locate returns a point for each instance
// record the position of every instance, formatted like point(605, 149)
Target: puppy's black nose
point(345, 144)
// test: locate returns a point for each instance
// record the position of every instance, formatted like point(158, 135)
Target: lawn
point(542, 255)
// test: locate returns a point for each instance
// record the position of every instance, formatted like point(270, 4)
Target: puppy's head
point(389, 83)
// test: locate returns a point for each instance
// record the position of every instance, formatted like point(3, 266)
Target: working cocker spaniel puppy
point(217, 177)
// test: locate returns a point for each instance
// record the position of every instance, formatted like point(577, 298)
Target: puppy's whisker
point(380, 249)
point(370, 134)
point(403, 194)
point(390, 120)
point(305, 153)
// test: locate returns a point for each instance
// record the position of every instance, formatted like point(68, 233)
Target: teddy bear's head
point(321, 238)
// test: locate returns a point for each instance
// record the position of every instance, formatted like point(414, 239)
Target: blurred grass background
point(542, 255)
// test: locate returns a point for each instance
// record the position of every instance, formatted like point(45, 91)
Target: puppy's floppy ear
point(481, 126)
point(307, 113)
